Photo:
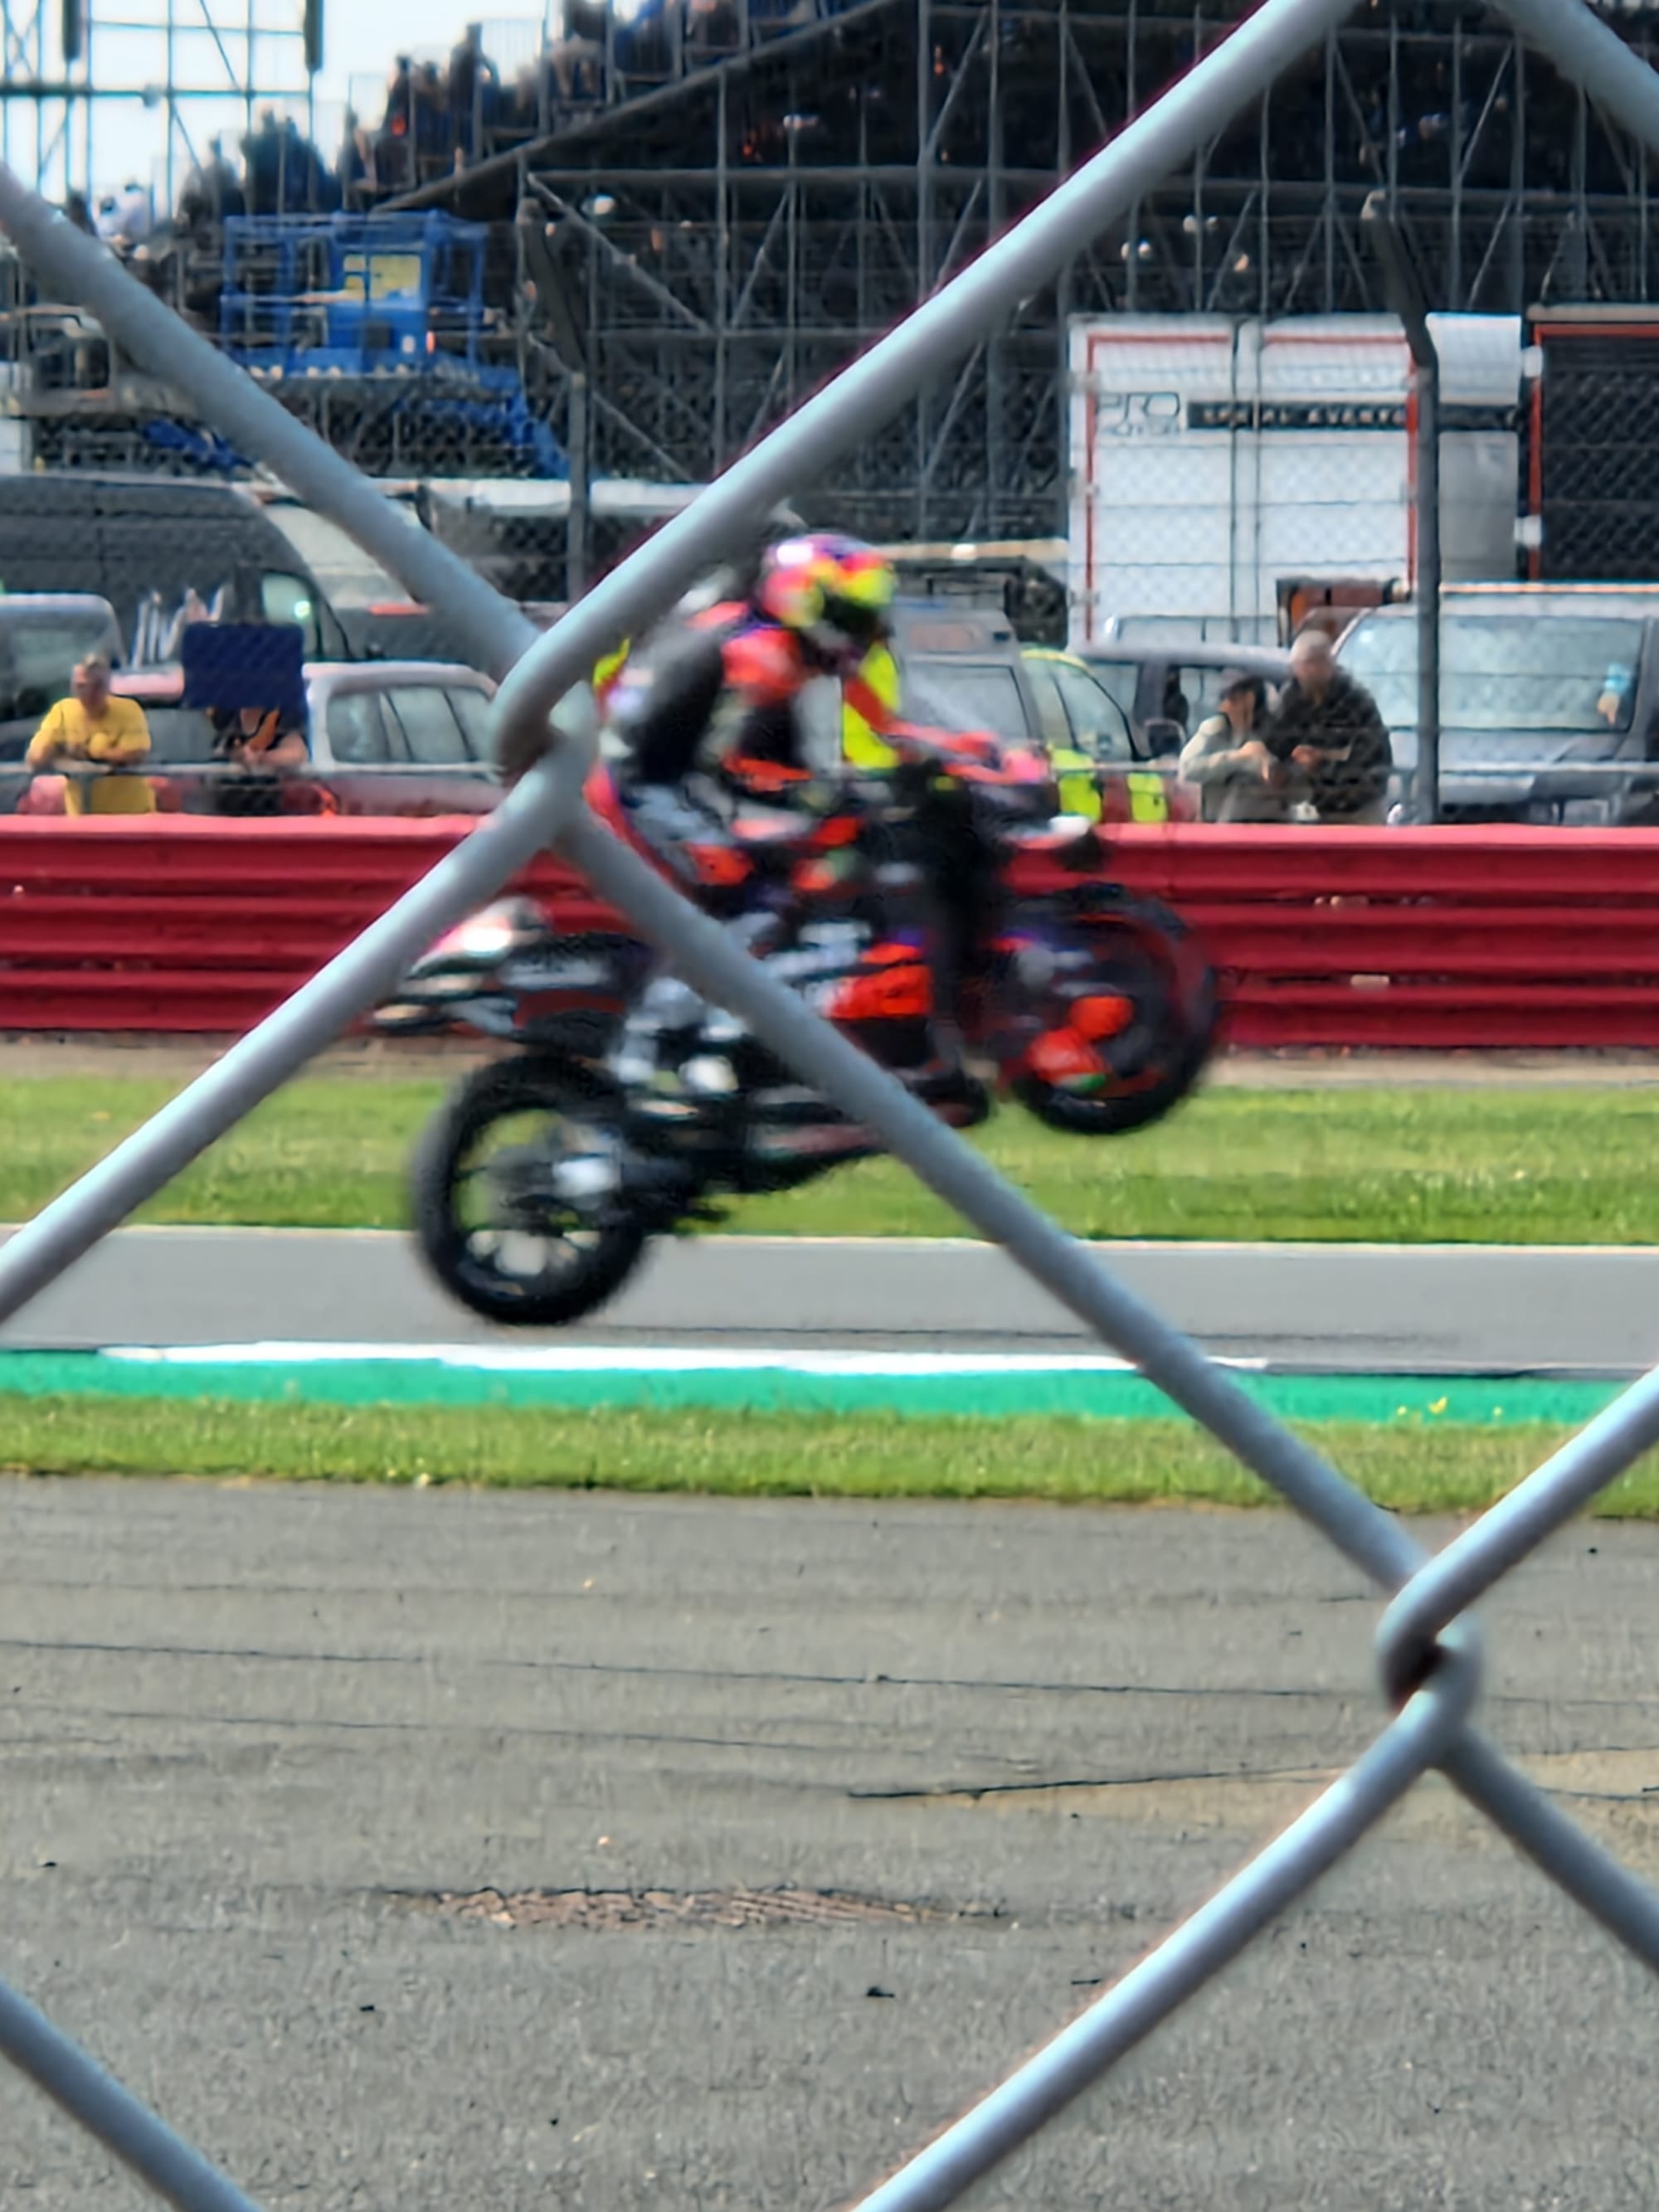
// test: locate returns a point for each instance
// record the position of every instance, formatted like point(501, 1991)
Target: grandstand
point(712, 236)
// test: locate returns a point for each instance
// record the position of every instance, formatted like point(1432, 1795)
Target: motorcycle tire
point(1175, 982)
point(490, 1094)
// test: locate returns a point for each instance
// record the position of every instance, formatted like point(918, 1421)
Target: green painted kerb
point(987, 1394)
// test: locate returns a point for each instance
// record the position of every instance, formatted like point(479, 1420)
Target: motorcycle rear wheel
point(1148, 953)
point(589, 1260)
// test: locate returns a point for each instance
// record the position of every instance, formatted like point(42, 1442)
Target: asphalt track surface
point(1394, 1308)
point(249, 1735)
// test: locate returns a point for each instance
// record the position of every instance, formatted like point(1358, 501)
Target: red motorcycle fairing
point(891, 982)
point(754, 829)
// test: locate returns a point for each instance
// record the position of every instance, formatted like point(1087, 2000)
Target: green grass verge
point(1416, 1466)
point(1405, 1166)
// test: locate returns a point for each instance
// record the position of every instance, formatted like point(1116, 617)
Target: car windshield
point(1573, 673)
point(38, 657)
point(1120, 678)
point(968, 695)
point(348, 577)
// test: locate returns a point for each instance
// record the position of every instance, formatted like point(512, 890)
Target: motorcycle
point(543, 1177)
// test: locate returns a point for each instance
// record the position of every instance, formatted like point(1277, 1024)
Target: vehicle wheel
point(1146, 955)
point(487, 1218)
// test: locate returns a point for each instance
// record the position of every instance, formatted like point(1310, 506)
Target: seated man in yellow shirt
point(96, 727)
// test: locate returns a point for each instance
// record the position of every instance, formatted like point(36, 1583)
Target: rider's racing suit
point(711, 716)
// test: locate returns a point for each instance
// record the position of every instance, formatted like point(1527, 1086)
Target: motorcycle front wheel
point(488, 1214)
point(1145, 955)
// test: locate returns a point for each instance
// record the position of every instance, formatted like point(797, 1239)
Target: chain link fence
point(1241, 480)
point(1429, 1655)
point(1591, 503)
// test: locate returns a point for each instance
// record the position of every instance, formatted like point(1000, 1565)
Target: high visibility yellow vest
point(1149, 800)
point(1078, 784)
point(860, 746)
point(607, 671)
point(1078, 779)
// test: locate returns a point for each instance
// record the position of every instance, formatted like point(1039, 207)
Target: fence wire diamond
point(1428, 1650)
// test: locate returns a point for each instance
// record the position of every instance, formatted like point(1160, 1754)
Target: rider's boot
point(668, 1009)
point(944, 1078)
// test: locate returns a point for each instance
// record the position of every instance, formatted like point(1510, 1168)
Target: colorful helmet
point(834, 592)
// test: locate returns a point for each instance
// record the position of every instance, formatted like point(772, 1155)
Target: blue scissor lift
point(388, 311)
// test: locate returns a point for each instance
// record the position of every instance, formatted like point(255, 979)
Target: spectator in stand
point(212, 192)
point(640, 40)
point(262, 165)
point(286, 175)
point(309, 186)
point(394, 142)
point(400, 96)
point(394, 156)
point(577, 54)
point(93, 740)
point(1328, 726)
point(474, 94)
point(431, 111)
point(1227, 758)
point(527, 103)
point(356, 168)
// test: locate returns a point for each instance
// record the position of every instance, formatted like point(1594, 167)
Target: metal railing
point(1428, 1652)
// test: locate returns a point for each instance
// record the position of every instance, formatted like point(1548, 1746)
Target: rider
point(714, 712)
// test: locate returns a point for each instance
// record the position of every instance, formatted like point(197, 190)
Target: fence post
point(175, 2169)
point(1406, 295)
point(1589, 53)
point(1427, 781)
point(581, 489)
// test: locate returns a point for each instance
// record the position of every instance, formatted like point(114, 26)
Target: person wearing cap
point(94, 739)
point(1237, 778)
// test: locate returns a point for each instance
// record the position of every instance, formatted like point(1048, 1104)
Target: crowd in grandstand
point(439, 116)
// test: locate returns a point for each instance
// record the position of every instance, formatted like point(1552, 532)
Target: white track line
point(607, 1360)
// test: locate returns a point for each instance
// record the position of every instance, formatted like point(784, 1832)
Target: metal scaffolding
point(197, 66)
point(708, 251)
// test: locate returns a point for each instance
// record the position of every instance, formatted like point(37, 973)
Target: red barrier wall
point(1443, 938)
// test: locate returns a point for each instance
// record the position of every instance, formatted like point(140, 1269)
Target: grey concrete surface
point(248, 1733)
point(1358, 1307)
